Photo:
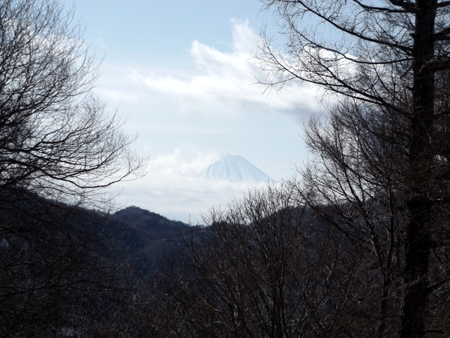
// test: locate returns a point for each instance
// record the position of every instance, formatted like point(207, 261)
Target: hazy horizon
point(184, 77)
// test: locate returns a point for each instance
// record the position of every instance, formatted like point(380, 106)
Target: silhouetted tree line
point(357, 247)
point(61, 272)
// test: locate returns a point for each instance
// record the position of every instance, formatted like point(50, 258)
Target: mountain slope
point(235, 168)
point(147, 236)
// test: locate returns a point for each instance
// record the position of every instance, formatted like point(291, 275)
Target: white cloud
point(174, 188)
point(194, 107)
point(244, 38)
point(223, 82)
point(176, 164)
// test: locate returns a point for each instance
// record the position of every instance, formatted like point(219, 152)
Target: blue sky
point(184, 76)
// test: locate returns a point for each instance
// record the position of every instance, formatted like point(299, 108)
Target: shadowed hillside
point(146, 235)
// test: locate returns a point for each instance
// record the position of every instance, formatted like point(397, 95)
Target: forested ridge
point(356, 246)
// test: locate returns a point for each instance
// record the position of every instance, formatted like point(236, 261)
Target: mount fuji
point(235, 168)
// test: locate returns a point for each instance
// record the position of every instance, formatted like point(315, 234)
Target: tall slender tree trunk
point(418, 231)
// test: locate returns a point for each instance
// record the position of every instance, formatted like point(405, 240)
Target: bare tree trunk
point(417, 241)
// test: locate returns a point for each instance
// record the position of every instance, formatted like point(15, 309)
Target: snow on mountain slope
point(235, 168)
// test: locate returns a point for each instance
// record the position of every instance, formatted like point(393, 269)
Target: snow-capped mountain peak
point(235, 168)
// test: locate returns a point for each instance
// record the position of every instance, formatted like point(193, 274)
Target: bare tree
point(268, 267)
point(58, 149)
point(352, 185)
point(393, 56)
point(62, 270)
point(55, 138)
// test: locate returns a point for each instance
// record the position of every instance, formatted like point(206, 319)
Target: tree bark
point(418, 231)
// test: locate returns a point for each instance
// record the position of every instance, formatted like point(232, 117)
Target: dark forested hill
point(155, 225)
point(146, 235)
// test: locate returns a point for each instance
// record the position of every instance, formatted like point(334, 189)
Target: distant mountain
point(235, 168)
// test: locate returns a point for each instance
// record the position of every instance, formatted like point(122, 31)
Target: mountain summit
point(235, 168)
